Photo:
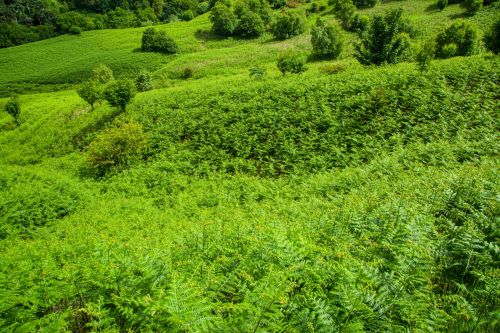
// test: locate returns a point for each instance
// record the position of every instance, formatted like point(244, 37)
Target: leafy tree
point(291, 63)
point(116, 148)
point(288, 23)
point(424, 55)
point(13, 107)
point(385, 41)
point(462, 36)
point(119, 93)
point(327, 40)
point(144, 82)
point(250, 24)
point(158, 41)
point(102, 74)
point(345, 11)
point(91, 92)
point(224, 21)
point(492, 38)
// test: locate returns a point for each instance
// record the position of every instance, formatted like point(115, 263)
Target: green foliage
point(365, 3)
point(144, 81)
point(345, 11)
point(13, 108)
point(224, 21)
point(158, 41)
point(461, 36)
point(250, 24)
point(74, 30)
point(257, 72)
point(492, 38)
point(385, 41)
point(102, 74)
point(473, 6)
point(291, 63)
point(116, 148)
point(288, 23)
point(442, 4)
point(424, 56)
point(91, 92)
point(119, 93)
point(327, 40)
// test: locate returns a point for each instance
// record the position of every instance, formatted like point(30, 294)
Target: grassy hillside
point(361, 201)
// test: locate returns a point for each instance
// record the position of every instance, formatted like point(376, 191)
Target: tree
point(291, 63)
point(102, 74)
point(385, 41)
point(424, 56)
point(13, 107)
point(158, 41)
point(144, 81)
point(224, 21)
point(288, 24)
point(250, 24)
point(492, 38)
point(345, 11)
point(327, 40)
point(120, 93)
point(462, 37)
point(91, 92)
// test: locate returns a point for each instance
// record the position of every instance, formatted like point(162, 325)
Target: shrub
point(224, 21)
point(102, 74)
point(333, 68)
point(492, 38)
point(186, 73)
point(144, 82)
point(345, 11)
point(327, 40)
point(120, 93)
point(121, 18)
point(465, 37)
point(186, 15)
point(202, 7)
point(291, 63)
point(257, 72)
point(250, 24)
point(442, 4)
point(473, 6)
point(288, 24)
point(385, 41)
point(75, 30)
point(359, 23)
point(365, 3)
point(90, 92)
point(424, 55)
point(116, 148)
point(13, 107)
point(158, 41)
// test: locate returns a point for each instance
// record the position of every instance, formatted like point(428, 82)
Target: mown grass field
point(361, 201)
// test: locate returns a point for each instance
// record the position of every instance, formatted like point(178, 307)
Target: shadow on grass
point(81, 139)
point(432, 8)
point(207, 35)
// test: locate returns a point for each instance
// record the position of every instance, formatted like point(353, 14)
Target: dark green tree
point(291, 63)
point(91, 92)
point(144, 82)
point(492, 38)
point(13, 107)
point(224, 21)
point(288, 23)
point(462, 36)
point(119, 93)
point(250, 24)
point(327, 40)
point(158, 41)
point(385, 41)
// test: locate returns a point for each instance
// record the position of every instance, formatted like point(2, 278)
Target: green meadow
point(359, 200)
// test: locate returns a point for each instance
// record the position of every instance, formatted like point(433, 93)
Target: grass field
point(361, 201)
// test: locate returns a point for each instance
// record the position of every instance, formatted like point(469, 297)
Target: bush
point(359, 23)
point(74, 30)
point(333, 68)
point(365, 3)
point(13, 107)
point(158, 41)
point(257, 73)
point(186, 15)
point(121, 18)
point(102, 74)
point(442, 4)
point(288, 24)
point(202, 7)
point(385, 41)
point(224, 21)
point(186, 73)
point(424, 55)
point(116, 148)
point(144, 82)
point(250, 24)
point(345, 11)
point(473, 6)
point(291, 63)
point(120, 93)
point(90, 92)
point(327, 40)
point(461, 36)
point(492, 38)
